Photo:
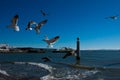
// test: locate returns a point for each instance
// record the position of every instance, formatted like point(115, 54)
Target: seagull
point(112, 17)
point(70, 53)
point(39, 25)
point(14, 23)
point(43, 13)
point(51, 41)
point(29, 25)
point(46, 59)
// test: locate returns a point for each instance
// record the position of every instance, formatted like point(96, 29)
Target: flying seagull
point(43, 13)
point(50, 42)
point(46, 59)
point(29, 25)
point(14, 23)
point(69, 52)
point(39, 25)
point(112, 17)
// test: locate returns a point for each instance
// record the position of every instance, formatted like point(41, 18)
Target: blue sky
point(67, 18)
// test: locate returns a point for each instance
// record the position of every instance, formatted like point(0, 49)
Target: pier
point(78, 51)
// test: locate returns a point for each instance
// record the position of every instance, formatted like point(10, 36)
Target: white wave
point(48, 77)
point(78, 76)
point(45, 66)
point(89, 73)
point(73, 77)
point(4, 72)
point(20, 62)
point(65, 73)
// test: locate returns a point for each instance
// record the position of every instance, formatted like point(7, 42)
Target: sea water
point(30, 66)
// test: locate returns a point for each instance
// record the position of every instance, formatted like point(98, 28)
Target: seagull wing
point(43, 13)
point(37, 30)
point(53, 40)
point(29, 25)
point(38, 26)
point(42, 23)
point(15, 20)
point(112, 17)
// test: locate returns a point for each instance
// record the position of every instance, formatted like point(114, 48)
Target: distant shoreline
point(43, 50)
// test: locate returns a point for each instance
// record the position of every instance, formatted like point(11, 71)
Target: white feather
point(16, 28)
point(30, 28)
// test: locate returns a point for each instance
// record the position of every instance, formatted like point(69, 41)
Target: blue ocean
point(30, 66)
